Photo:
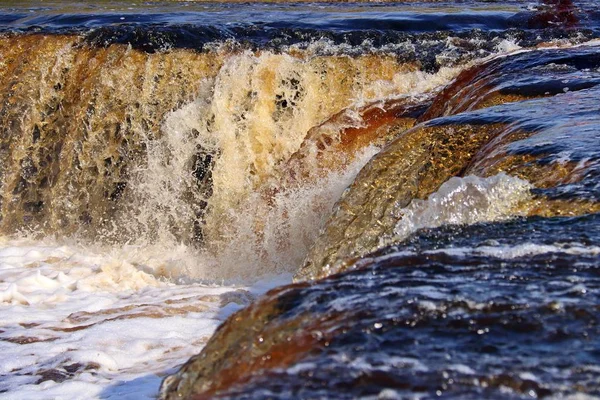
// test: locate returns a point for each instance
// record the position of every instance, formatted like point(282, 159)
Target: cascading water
point(189, 170)
point(219, 174)
point(431, 169)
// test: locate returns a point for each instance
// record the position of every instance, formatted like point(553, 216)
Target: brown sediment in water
point(413, 166)
point(74, 118)
point(80, 123)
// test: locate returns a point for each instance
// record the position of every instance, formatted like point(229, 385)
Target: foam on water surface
point(523, 250)
point(83, 324)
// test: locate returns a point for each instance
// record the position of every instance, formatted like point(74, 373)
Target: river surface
point(419, 182)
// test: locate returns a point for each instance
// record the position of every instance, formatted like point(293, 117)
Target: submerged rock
point(414, 320)
point(551, 142)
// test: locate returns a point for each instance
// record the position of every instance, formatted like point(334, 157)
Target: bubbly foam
point(215, 177)
point(79, 323)
point(523, 250)
point(465, 200)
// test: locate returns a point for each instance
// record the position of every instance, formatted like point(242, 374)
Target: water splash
point(218, 176)
point(467, 200)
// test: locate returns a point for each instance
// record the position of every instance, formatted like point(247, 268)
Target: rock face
point(519, 115)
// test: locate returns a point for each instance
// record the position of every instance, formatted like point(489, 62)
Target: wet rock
point(414, 324)
point(337, 141)
point(525, 138)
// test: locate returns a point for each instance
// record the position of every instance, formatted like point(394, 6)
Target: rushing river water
point(418, 181)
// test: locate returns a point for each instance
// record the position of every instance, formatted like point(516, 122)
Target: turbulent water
point(427, 171)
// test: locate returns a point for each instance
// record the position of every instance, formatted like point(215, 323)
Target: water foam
point(522, 250)
point(465, 200)
point(81, 323)
point(217, 176)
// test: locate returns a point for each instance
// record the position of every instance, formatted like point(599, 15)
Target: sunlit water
point(106, 308)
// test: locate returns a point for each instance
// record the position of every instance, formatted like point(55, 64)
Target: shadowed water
point(485, 317)
point(470, 320)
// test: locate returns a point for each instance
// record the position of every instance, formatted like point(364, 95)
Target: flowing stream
point(420, 182)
